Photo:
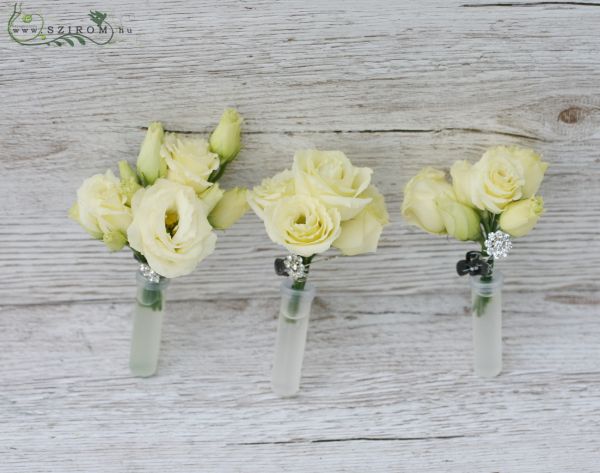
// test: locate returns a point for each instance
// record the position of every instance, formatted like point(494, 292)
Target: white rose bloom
point(519, 218)
point(271, 190)
point(361, 234)
point(101, 206)
point(461, 221)
point(302, 224)
point(496, 180)
point(461, 175)
point(170, 228)
point(331, 177)
point(419, 206)
point(531, 165)
point(189, 161)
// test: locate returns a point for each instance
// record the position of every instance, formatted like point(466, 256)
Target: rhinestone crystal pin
point(498, 244)
point(149, 274)
point(292, 266)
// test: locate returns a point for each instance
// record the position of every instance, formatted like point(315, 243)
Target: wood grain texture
point(387, 385)
point(50, 259)
point(395, 86)
point(387, 381)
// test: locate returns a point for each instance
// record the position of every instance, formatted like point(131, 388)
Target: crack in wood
point(355, 439)
point(523, 4)
point(379, 131)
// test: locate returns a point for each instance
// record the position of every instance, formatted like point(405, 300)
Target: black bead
point(280, 268)
point(473, 255)
point(463, 267)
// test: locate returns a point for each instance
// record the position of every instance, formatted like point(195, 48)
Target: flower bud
point(114, 240)
point(230, 209)
point(520, 217)
point(129, 181)
point(211, 197)
point(461, 221)
point(419, 207)
point(150, 164)
point(226, 138)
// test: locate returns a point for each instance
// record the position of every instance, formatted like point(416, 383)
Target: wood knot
point(571, 115)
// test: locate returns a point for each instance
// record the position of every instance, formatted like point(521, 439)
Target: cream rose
point(331, 177)
point(496, 180)
point(102, 210)
point(189, 161)
point(361, 234)
point(460, 172)
point(519, 218)
point(531, 166)
point(271, 190)
point(419, 206)
point(170, 228)
point(302, 224)
point(461, 221)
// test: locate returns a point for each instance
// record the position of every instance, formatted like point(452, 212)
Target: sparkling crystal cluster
point(150, 275)
point(498, 244)
point(295, 267)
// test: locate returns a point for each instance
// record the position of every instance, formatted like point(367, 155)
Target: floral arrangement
point(487, 202)
point(323, 201)
point(165, 211)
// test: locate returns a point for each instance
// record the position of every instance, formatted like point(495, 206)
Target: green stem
point(216, 175)
point(299, 285)
point(152, 298)
point(489, 223)
point(138, 256)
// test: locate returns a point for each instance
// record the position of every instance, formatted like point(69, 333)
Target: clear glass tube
point(487, 325)
point(147, 325)
point(292, 328)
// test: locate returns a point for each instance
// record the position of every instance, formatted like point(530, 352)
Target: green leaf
point(139, 257)
point(70, 41)
point(58, 43)
point(80, 39)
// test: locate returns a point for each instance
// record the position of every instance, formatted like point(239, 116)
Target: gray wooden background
point(387, 380)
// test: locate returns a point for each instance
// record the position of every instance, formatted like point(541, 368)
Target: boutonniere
point(165, 211)
point(322, 202)
point(490, 203)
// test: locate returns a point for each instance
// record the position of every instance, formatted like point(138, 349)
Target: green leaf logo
point(35, 25)
point(97, 17)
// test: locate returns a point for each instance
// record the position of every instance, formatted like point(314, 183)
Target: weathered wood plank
point(387, 382)
point(305, 66)
point(386, 67)
point(48, 258)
